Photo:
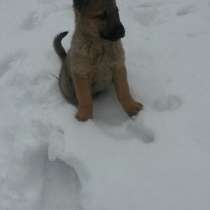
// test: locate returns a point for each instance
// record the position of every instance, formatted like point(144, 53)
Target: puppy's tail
point(58, 45)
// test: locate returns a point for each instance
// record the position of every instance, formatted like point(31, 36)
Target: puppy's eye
point(102, 16)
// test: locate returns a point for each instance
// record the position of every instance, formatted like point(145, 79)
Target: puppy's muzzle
point(117, 33)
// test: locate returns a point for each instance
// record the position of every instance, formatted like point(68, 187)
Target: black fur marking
point(80, 4)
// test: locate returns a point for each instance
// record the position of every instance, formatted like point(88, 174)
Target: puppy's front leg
point(84, 97)
point(130, 106)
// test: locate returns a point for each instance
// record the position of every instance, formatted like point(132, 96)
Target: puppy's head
point(99, 18)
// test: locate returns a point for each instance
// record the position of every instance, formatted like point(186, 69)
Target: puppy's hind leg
point(67, 87)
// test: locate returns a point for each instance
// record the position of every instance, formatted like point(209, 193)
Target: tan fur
point(94, 64)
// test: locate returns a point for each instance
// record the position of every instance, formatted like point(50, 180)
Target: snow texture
point(159, 160)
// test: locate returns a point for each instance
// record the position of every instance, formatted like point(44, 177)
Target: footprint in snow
point(54, 136)
point(61, 189)
point(128, 131)
point(167, 103)
point(147, 13)
point(11, 61)
point(140, 131)
point(186, 10)
point(191, 35)
point(32, 21)
point(149, 4)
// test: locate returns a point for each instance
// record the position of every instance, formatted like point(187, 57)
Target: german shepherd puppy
point(96, 58)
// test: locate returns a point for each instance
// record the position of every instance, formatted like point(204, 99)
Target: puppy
point(96, 58)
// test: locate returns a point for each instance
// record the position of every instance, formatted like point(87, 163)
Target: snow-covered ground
point(160, 160)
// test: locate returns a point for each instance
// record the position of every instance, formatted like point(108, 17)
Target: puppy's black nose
point(115, 34)
point(120, 30)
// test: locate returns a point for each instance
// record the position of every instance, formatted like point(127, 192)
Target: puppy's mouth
point(114, 35)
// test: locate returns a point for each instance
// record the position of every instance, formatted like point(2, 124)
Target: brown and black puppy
point(96, 58)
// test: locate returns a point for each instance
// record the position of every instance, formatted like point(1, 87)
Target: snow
point(159, 160)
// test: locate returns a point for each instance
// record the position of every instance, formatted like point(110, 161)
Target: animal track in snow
point(146, 15)
point(140, 131)
point(186, 10)
point(32, 21)
point(149, 4)
point(62, 180)
point(54, 136)
point(167, 103)
point(10, 61)
point(128, 131)
point(192, 35)
point(149, 13)
point(56, 150)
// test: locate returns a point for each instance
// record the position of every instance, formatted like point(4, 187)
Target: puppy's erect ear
point(80, 4)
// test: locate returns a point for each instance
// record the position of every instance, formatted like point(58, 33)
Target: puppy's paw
point(84, 114)
point(133, 107)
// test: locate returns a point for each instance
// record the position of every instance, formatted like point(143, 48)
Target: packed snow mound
point(159, 160)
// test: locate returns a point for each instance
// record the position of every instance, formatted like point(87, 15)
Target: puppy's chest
point(105, 61)
point(103, 72)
